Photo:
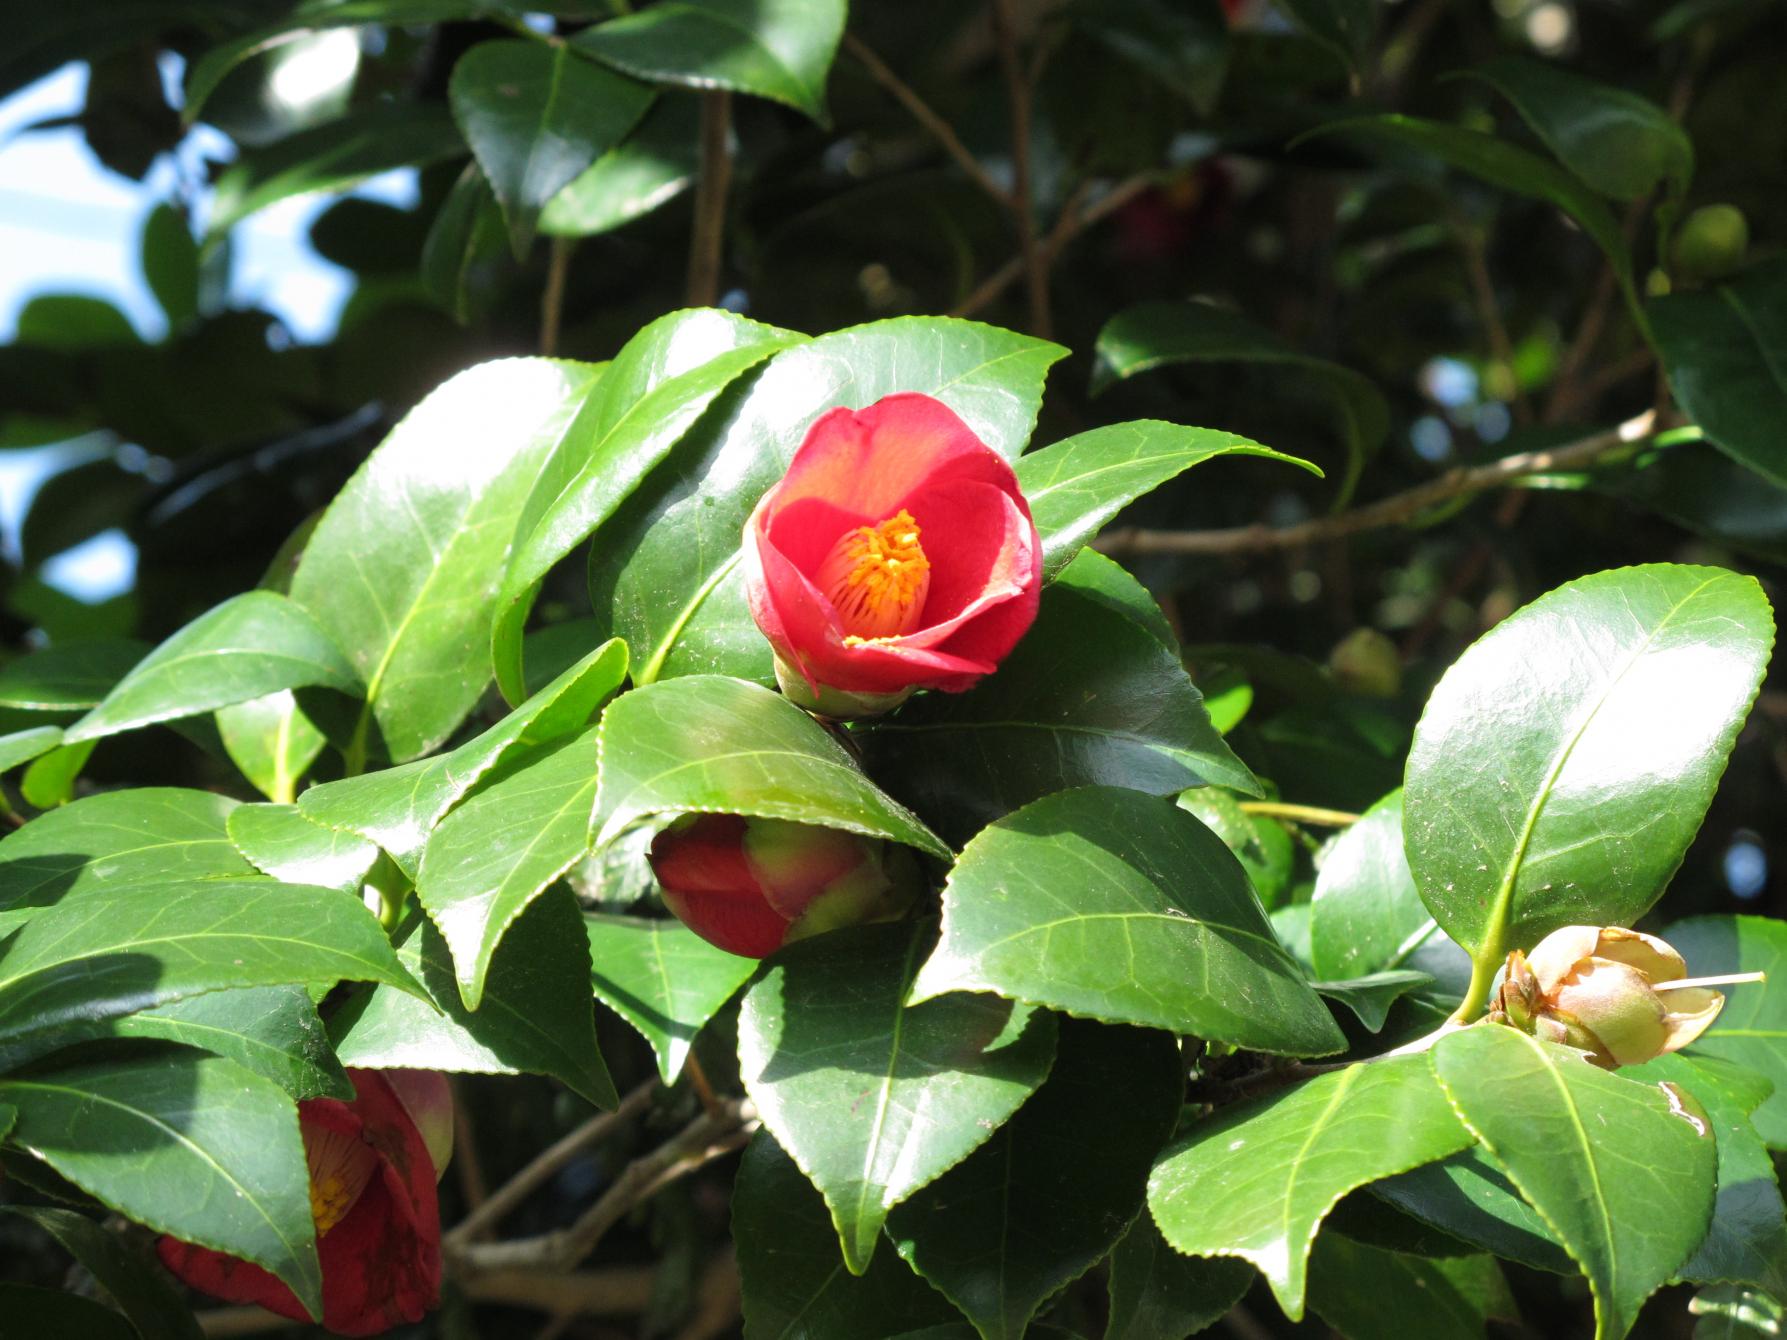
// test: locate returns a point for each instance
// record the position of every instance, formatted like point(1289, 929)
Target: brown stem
point(1567, 392)
point(466, 1164)
point(1070, 225)
point(705, 243)
point(552, 301)
point(1501, 349)
point(1017, 91)
point(1391, 511)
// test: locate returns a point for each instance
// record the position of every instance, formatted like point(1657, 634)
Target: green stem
point(1308, 814)
point(1483, 970)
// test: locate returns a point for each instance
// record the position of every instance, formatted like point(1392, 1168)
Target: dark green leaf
point(1342, 26)
point(68, 678)
point(1366, 916)
point(1107, 581)
point(1596, 721)
point(466, 244)
point(171, 264)
point(42, 1312)
point(1183, 46)
point(1470, 1197)
point(824, 1032)
point(649, 168)
point(1305, 1149)
point(1157, 1292)
point(1750, 1030)
point(663, 979)
point(272, 1030)
point(272, 741)
point(1028, 1213)
point(1108, 903)
point(1367, 1293)
point(137, 1284)
point(1371, 996)
point(1260, 843)
point(279, 841)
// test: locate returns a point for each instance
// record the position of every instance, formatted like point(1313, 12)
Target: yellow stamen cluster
point(877, 578)
point(340, 1167)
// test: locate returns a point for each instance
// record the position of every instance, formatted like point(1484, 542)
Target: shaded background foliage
point(1395, 318)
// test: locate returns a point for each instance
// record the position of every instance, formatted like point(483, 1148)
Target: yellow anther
point(877, 578)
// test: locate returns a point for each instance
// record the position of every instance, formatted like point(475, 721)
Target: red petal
point(745, 924)
point(703, 856)
point(982, 549)
point(228, 1278)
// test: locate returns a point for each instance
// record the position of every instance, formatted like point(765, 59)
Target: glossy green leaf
point(75, 966)
point(1092, 575)
point(1156, 1291)
point(824, 1031)
point(1259, 842)
point(186, 1144)
point(170, 259)
point(1108, 903)
point(535, 1016)
point(1074, 487)
point(404, 566)
point(1367, 1293)
point(38, 1311)
point(272, 1030)
point(1752, 1028)
point(1725, 349)
point(536, 116)
point(710, 743)
point(502, 847)
point(795, 1286)
point(1619, 143)
point(1026, 1215)
point(272, 741)
point(151, 833)
point(651, 167)
point(333, 156)
point(68, 678)
point(254, 644)
point(1370, 997)
point(50, 777)
point(663, 979)
point(667, 575)
point(1366, 915)
point(24, 745)
point(1596, 722)
point(135, 1281)
point(1470, 1197)
point(1305, 1148)
point(398, 807)
point(1159, 334)
point(778, 49)
point(654, 391)
point(1622, 1172)
point(279, 841)
point(1087, 698)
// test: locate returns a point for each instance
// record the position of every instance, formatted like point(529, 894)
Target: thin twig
point(716, 1300)
point(922, 113)
point(1302, 814)
point(1489, 313)
point(466, 1164)
point(1391, 511)
point(1071, 223)
point(552, 301)
point(1567, 390)
point(544, 1165)
point(1017, 92)
point(708, 238)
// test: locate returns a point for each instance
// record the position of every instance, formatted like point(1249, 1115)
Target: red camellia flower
point(373, 1166)
point(896, 554)
point(750, 885)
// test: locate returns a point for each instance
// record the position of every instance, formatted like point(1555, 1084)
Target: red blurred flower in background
point(373, 1167)
point(896, 554)
point(749, 885)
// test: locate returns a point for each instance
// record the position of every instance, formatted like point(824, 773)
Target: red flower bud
point(373, 1199)
point(750, 885)
point(896, 554)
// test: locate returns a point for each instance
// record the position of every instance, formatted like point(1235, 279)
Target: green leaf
point(667, 575)
point(1026, 1215)
point(1367, 1293)
point(651, 167)
point(1750, 1029)
point(1366, 915)
point(49, 782)
point(273, 1031)
point(1629, 1201)
point(1159, 334)
point(710, 743)
point(1342, 26)
point(398, 807)
point(1108, 582)
point(1075, 486)
point(1470, 1197)
point(251, 645)
point(1184, 47)
point(186, 1144)
point(1042, 904)
point(1725, 350)
point(1087, 698)
point(778, 49)
point(466, 244)
point(654, 391)
point(1746, 1243)
point(1157, 1292)
point(53, 1312)
point(824, 1032)
point(134, 1281)
point(1619, 143)
point(794, 1285)
point(279, 841)
point(536, 116)
point(404, 566)
point(663, 979)
point(24, 745)
point(1261, 844)
point(144, 835)
point(271, 740)
point(85, 961)
point(68, 678)
point(170, 259)
point(1305, 1149)
point(332, 157)
point(1597, 721)
point(1370, 997)
point(535, 1016)
point(501, 848)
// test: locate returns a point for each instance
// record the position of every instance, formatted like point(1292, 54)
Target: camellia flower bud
point(750, 885)
point(1621, 996)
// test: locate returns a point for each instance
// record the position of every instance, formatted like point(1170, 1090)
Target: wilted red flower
point(373, 1166)
point(896, 554)
point(749, 885)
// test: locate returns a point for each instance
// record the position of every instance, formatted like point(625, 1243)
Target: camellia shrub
point(778, 723)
